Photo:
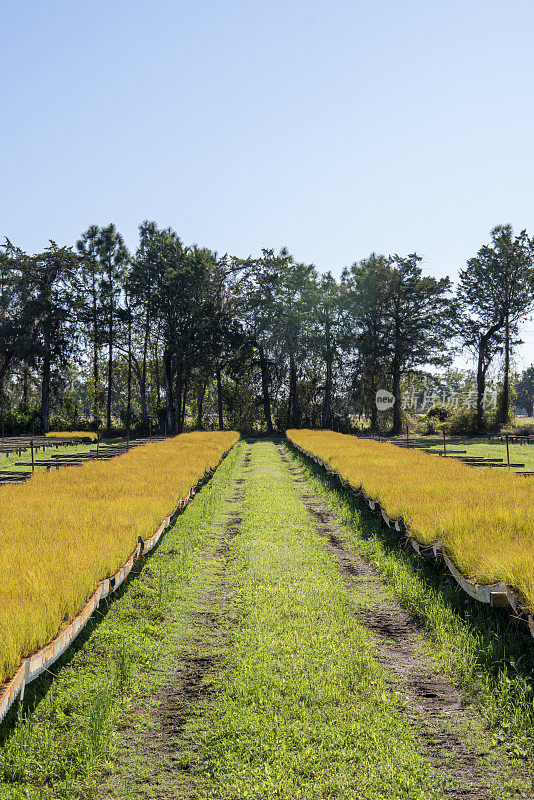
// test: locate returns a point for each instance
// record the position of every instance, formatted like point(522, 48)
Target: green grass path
point(232, 666)
point(303, 709)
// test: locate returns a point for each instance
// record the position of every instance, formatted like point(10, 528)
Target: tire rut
point(169, 774)
point(196, 681)
point(434, 706)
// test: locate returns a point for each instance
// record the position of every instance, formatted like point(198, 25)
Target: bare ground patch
point(445, 725)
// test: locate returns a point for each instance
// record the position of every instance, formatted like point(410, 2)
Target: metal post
point(407, 436)
point(97, 442)
point(33, 465)
point(507, 451)
point(444, 446)
point(127, 440)
point(379, 439)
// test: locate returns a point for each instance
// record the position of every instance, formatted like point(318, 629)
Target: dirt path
point(453, 734)
point(158, 746)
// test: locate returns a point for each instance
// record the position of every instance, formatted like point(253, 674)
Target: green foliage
point(465, 422)
point(155, 338)
point(496, 291)
point(436, 419)
point(524, 429)
point(20, 422)
point(401, 321)
point(243, 412)
point(525, 390)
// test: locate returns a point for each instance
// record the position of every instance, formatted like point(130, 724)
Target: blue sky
point(332, 128)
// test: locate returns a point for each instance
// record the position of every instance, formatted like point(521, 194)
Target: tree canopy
point(173, 334)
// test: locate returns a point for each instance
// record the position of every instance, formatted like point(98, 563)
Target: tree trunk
point(96, 377)
point(482, 368)
point(25, 388)
point(156, 377)
point(396, 368)
point(4, 370)
point(295, 411)
point(219, 398)
point(481, 388)
point(265, 391)
point(289, 399)
point(110, 362)
point(3, 374)
point(200, 403)
point(167, 364)
point(397, 411)
point(373, 408)
point(142, 386)
point(2, 401)
point(327, 403)
point(129, 397)
point(142, 397)
point(178, 396)
point(45, 395)
point(182, 416)
point(503, 411)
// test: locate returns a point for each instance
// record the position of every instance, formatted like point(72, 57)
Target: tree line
point(169, 333)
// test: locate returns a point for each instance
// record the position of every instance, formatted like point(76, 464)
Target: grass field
point(484, 518)
point(66, 729)
point(299, 692)
point(238, 662)
point(302, 710)
point(474, 644)
point(9, 462)
point(483, 446)
point(63, 532)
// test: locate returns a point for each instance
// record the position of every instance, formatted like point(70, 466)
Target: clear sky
point(334, 128)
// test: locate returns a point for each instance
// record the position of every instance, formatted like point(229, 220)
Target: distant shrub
point(435, 420)
point(526, 429)
point(464, 422)
point(16, 423)
point(362, 425)
point(59, 422)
